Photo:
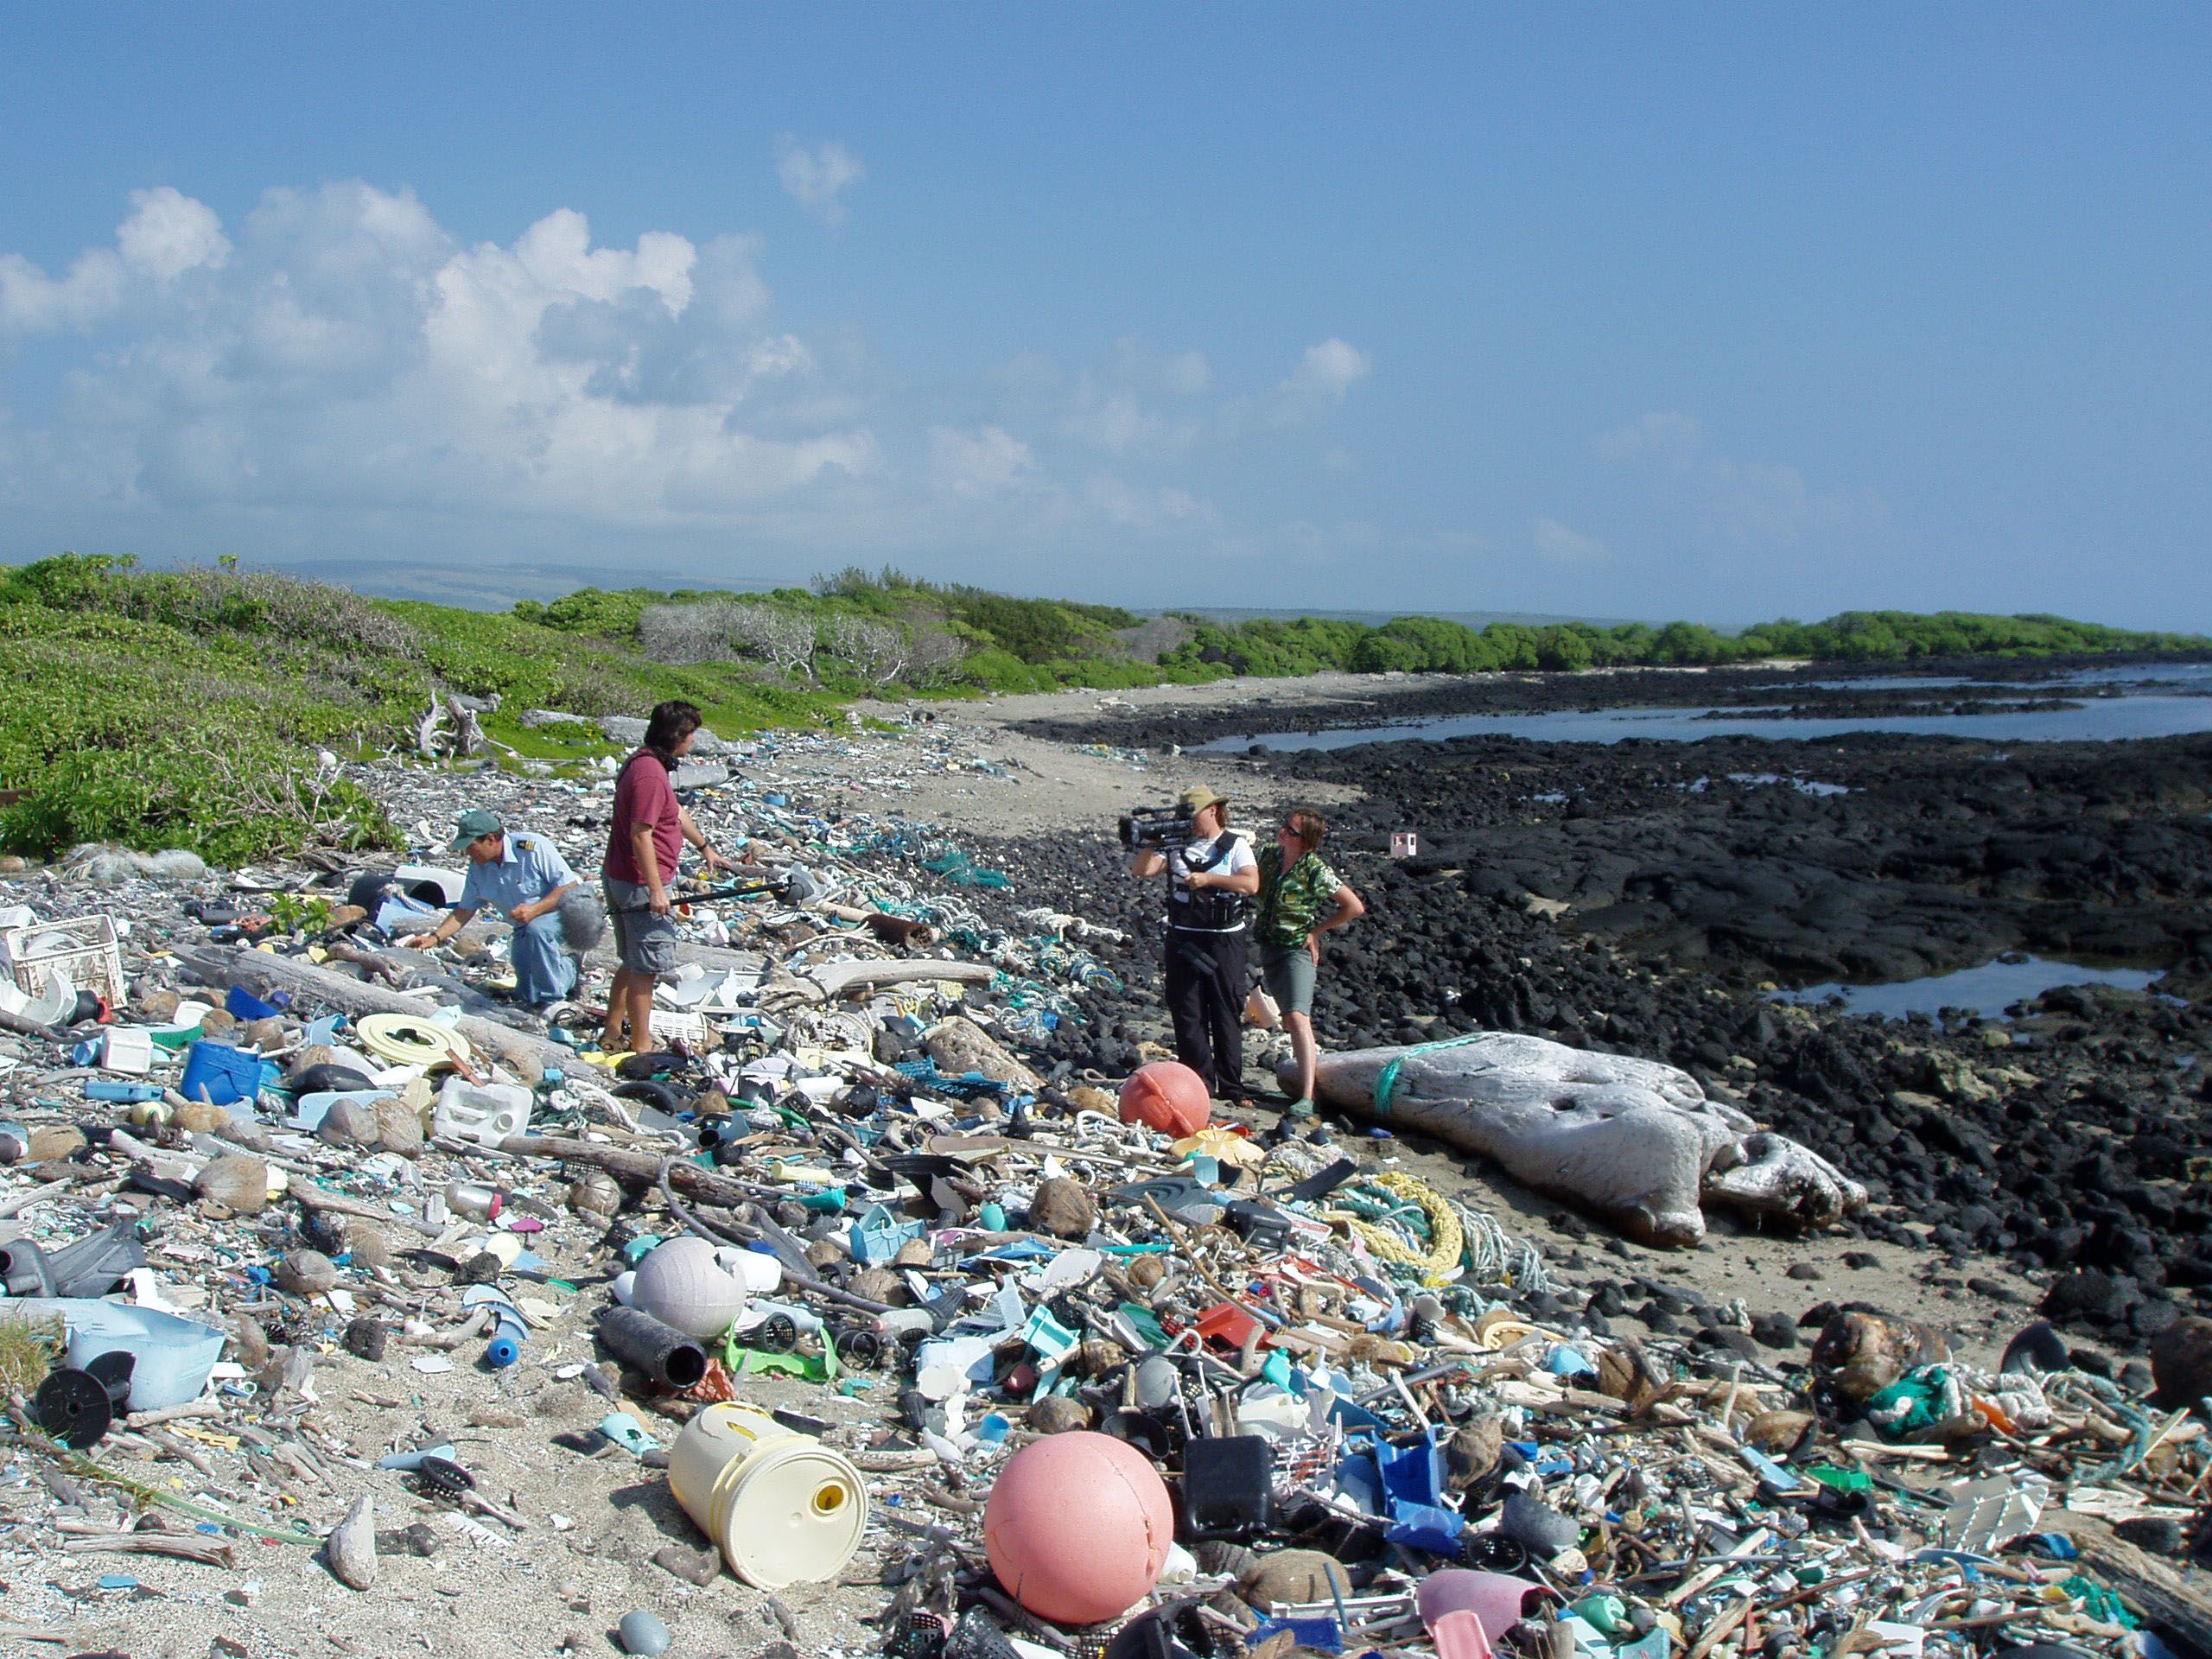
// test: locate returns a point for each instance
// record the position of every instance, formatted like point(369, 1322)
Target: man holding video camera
point(1211, 876)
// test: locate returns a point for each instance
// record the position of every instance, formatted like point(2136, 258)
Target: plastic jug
point(173, 1356)
point(785, 1508)
point(487, 1113)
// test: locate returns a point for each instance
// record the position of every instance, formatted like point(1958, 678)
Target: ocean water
point(1987, 990)
point(2174, 700)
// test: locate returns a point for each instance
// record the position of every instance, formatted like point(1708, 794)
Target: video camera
point(1156, 829)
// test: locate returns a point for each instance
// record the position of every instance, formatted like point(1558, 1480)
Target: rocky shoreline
point(1794, 690)
point(1647, 898)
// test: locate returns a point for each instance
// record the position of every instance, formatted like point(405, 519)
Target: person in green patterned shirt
point(1301, 899)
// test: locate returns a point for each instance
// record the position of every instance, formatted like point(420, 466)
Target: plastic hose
point(406, 1040)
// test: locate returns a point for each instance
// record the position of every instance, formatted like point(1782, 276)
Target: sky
point(1718, 312)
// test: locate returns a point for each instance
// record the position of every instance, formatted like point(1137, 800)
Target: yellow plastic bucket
point(785, 1508)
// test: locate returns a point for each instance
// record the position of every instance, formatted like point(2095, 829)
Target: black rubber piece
point(2039, 1347)
point(1494, 1552)
point(98, 1263)
point(74, 1407)
point(327, 1078)
point(114, 1372)
point(653, 1094)
point(368, 891)
point(662, 1352)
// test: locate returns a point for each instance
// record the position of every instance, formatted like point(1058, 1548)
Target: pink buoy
point(1078, 1527)
point(1167, 1096)
point(1495, 1599)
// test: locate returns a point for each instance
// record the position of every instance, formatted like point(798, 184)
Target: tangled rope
point(1495, 1256)
point(1446, 1241)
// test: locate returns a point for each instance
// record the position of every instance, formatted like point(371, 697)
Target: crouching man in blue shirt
point(524, 877)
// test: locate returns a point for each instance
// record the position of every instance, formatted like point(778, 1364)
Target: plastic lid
point(795, 1517)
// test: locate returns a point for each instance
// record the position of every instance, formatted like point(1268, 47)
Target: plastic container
point(128, 1049)
point(242, 1004)
point(84, 948)
point(785, 1510)
point(486, 1115)
point(1228, 1486)
point(50, 1005)
point(227, 1074)
point(171, 1356)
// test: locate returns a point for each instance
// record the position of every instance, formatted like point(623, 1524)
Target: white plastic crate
point(671, 1026)
point(83, 949)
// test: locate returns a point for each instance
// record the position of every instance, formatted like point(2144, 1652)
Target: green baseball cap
point(473, 825)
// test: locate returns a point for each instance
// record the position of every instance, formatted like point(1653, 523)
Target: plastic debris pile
point(847, 1274)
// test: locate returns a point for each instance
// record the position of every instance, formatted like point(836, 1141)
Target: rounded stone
point(641, 1632)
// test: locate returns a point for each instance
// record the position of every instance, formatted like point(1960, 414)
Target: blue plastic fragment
point(1426, 1527)
point(1413, 1474)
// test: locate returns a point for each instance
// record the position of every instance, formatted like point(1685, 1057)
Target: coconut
point(596, 1193)
point(306, 1273)
point(348, 1123)
point(198, 1117)
point(399, 1129)
point(237, 1180)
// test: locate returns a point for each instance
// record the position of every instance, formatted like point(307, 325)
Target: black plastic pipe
point(661, 1351)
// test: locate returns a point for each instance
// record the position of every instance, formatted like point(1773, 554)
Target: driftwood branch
point(831, 980)
point(522, 1053)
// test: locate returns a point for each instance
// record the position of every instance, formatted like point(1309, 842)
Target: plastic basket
point(83, 950)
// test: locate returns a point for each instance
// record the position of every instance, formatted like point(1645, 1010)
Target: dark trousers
point(1205, 999)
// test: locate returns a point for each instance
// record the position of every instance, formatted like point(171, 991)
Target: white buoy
point(682, 1285)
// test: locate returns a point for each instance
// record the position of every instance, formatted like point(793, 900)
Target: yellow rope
point(1446, 1242)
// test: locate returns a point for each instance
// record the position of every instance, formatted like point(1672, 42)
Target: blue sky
point(1718, 312)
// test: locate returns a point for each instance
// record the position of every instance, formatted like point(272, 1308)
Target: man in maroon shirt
point(651, 827)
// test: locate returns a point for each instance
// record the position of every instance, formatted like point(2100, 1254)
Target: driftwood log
point(1633, 1139)
point(828, 981)
point(525, 1053)
point(2165, 1600)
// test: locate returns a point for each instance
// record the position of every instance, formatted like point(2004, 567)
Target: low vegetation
point(194, 708)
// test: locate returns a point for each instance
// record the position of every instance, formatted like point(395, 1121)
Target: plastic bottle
point(475, 1200)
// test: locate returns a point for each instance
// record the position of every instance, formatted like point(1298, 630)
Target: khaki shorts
point(646, 942)
point(1288, 972)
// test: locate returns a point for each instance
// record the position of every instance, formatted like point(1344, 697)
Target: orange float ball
point(1078, 1527)
point(1167, 1096)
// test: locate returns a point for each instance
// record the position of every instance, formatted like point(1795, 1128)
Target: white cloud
point(339, 372)
point(169, 233)
point(1738, 504)
point(1145, 509)
point(349, 351)
point(166, 235)
point(1319, 382)
point(816, 178)
point(1564, 546)
point(990, 462)
point(1138, 402)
